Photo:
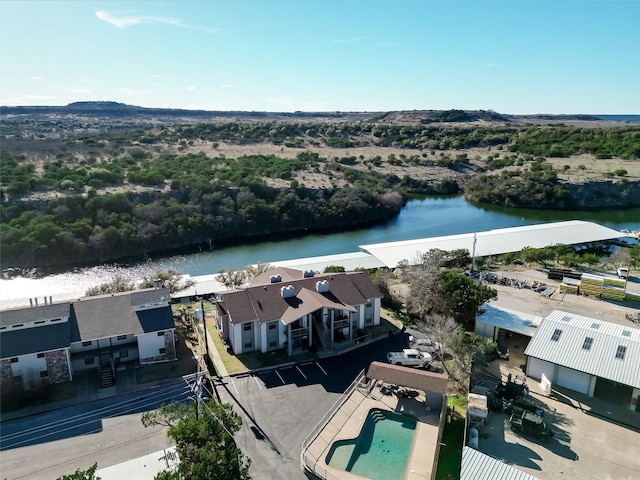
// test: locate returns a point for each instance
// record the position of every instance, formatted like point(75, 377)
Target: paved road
point(282, 405)
point(106, 431)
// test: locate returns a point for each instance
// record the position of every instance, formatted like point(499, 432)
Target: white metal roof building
point(495, 242)
point(478, 466)
point(492, 317)
point(576, 352)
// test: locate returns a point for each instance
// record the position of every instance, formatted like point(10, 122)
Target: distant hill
point(108, 109)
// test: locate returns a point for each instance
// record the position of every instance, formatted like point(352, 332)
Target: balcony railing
point(299, 332)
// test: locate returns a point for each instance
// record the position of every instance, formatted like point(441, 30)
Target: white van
point(623, 272)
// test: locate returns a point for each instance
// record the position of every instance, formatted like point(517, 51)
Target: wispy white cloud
point(156, 75)
point(124, 20)
point(131, 92)
point(35, 77)
point(191, 88)
point(489, 65)
point(225, 85)
point(28, 99)
point(350, 39)
point(79, 91)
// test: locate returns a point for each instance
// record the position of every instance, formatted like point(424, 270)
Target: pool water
point(381, 450)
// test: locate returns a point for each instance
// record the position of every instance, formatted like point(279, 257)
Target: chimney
point(31, 302)
point(275, 279)
point(45, 300)
point(50, 300)
point(307, 274)
point(322, 286)
point(288, 291)
point(36, 299)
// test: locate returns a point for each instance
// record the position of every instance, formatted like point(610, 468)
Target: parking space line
point(281, 379)
point(234, 385)
point(322, 369)
point(298, 368)
point(256, 379)
point(305, 364)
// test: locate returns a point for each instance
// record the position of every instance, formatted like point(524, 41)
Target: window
point(39, 322)
point(272, 326)
point(160, 334)
point(626, 333)
point(17, 379)
point(14, 360)
point(595, 326)
point(122, 337)
point(621, 351)
point(44, 374)
point(162, 351)
point(124, 354)
point(556, 335)
point(587, 343)
point(87, 344)
point(18, 325)
point(89, 361)
point(246, 327)
point(41, 355)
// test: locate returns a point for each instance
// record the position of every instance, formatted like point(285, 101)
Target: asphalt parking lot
point(280, 406)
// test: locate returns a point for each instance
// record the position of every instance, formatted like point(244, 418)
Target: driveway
point(594, 439)
point(280, 406)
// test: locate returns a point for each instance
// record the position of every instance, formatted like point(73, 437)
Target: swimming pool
point(381, 450)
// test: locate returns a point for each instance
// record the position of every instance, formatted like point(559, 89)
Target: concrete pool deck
point(348, 420)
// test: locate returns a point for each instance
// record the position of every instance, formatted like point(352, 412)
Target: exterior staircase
point(322, 335)
point(107, 373)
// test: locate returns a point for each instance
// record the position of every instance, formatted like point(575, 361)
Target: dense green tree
point(462, 296)
point(88, 474)
point(204, 440)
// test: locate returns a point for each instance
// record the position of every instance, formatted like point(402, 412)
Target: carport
point(492, 319)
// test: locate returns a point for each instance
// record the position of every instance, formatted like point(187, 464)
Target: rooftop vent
point(275, 278)
point(288, 291)
point(322, 286)
point(308, 274)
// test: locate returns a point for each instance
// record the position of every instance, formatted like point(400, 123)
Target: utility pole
point(204, 326)
point(473, 254)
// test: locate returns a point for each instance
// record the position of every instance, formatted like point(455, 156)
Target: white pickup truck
point(410, 357)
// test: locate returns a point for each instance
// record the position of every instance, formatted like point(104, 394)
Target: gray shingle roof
point(600, 358)
point(37, 339)
point(111, 315)
point(34, 314)
point(91, 318)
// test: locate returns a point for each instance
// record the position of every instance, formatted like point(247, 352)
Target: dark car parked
point(523, 403)
point(531, 424)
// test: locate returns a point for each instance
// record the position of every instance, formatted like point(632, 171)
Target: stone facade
point(58, 366)
point(6, 377)
point(169, 345)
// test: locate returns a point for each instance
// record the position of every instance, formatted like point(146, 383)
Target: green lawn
point(452, 437)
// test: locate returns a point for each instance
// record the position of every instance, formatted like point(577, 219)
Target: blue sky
point(515, 56)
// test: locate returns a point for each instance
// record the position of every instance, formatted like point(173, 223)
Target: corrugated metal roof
point(350, 262)
point(511, 320)
point(495, 242)
point(478, 466)
point(600, 358)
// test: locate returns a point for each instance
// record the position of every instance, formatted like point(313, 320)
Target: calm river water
point(428, 217)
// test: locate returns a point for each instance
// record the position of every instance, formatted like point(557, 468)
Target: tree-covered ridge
point(622, 142)
point(97, 228)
